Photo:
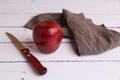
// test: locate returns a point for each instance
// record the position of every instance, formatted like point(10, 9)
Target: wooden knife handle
point(34, 61)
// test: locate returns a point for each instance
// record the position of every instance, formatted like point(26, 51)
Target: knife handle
point(34, 61)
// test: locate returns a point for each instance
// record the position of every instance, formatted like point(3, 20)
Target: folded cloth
point(89, 38)
point(58, 17)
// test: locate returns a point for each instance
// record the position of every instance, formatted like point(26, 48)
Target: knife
point(33, 60)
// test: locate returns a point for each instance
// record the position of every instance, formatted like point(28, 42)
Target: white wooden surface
point(64, 64)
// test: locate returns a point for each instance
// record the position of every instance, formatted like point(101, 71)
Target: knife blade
point(33, 60)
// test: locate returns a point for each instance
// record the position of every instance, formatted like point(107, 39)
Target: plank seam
point(74, 61)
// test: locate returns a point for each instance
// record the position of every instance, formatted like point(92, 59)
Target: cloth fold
point(89, 38)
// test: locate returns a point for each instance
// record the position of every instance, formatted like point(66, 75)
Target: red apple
point(47, 36)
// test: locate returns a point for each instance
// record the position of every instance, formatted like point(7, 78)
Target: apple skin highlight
point(47, 36)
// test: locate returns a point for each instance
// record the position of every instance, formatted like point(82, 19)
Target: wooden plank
point(25, 35)
point(109, 20)
point(65, 53)
point(19, 20)
point(12, 20)
point(36, 6)
point(62, 71)
point(18, 32)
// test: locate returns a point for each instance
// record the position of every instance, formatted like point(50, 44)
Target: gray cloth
point(58, 17)
point(89, 38)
